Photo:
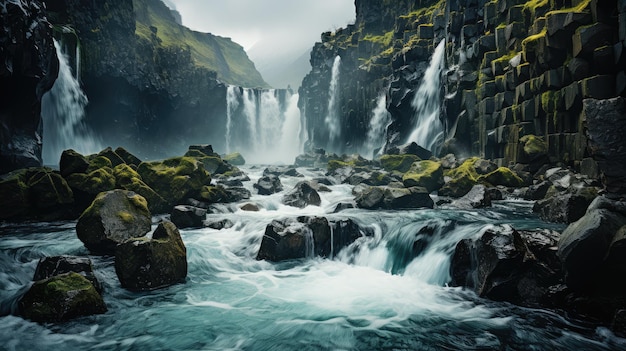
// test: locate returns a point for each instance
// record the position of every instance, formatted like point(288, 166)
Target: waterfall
point(332, 118)
point(263, 125)
point(232, 104)
point(376, 133)
point(63, 113)
point(428, 129)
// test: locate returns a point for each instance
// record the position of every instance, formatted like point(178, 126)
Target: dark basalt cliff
point(514, 68)
point(28, 69)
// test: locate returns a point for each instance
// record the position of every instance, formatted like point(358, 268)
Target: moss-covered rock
point(128, 179)
point(97, 162)
point(128, 158)
point(92, 183)
point(72, 162)
point(147, 264)
point(235, 159)
point(534, 147)
point(111, 156)
point(458, 187)
point(213, 194)
point(427, 174)
point(14, 200)
point(502, 176)
point(398, 163)
point(113, 217)
point(175, 179)
point(61, 298)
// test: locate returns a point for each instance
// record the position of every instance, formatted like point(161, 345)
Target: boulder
point(282, 171)
point(250, 207)
point(72, 162)
point(48, 267)
point(235, 159)
point(306, 237)
point(302, 195)
point(128, 179)
point(109, 154)
point(592, 250)
point(61, 298)
point(220, 194)
point(127, 157)
point(185, 216)
point(606, 127)
point(152, 263)
point(388, 197)
point(567, 206)
point(478, 197)
point(410, 149)
point(219, 225)
point(427, 174)
point(112, 218)
point(268, 185)
point(398, 163)
point(502, 176)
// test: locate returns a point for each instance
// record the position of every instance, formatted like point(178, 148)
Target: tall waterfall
point(376, 136)
point(332, 118)
point(63, 113)
point(263, 125)
point(428, 129)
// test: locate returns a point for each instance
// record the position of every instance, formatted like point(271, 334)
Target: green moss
point(427, 174)
point(125, 216)
point(465, 169)
point(531, 42)
point(532, 6)
point(94, 182)
point(502, 176)
point(458, 187)
point(534, 145)
point(398, 163)
point(333, 165)
point(235, 159)
point(384, 40)
point(578, 8)
point(97, 163)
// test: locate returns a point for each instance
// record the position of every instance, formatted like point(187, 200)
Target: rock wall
point(514, 68)
point(28, 69)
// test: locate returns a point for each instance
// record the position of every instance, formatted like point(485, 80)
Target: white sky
point(280, 25)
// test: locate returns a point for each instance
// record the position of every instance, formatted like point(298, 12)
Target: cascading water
point(263, 125)
point(63, 113)
point(428, 131)
point(376, 133)
point(333, 124)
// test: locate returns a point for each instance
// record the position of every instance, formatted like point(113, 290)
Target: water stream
point(377, 131)
point(377, 294)
point(332, 120)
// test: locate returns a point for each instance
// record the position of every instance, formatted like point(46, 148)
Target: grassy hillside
point(219, 54)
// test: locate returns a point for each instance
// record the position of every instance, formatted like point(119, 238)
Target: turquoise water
point(375, 295)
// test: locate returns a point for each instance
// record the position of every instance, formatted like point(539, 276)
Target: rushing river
point(374, 295)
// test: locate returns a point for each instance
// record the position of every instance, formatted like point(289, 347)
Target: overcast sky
point(281, 24)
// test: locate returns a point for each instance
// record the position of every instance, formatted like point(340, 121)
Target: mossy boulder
point(72, 162)
point(458, 187)
point(502, 176)
point(235, 159)
point(398, 163)
point(97, 162)
point(128, 179)
point(60, 298)
point(127, 157)
point(427, 174)
point(146, 264)
point(14, 199)
point(112, 156)
point(113, 217)
point(175, 179)
point(215, 165)
point(534, 148)
point(268, 185)
point(86, 186)
point(48, 267)
point(213, 194)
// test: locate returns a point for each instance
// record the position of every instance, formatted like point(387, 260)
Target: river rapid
point(374, 295)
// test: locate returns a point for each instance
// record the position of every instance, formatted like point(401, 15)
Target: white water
point(376, 133)
point(261, 127)
point(377, 294)
point(63, 114)
point(332, 121)
point(428, 130)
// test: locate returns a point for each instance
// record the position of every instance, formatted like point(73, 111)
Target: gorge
point(448, 175)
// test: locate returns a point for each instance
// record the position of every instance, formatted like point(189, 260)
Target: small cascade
point(63, 114)
point(332, 118)
point(428, 131)
point(381, 118)
point(263, 125)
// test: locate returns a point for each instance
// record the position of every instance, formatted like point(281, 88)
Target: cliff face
point(148, 89)
point(28, 69)
point(514, 68)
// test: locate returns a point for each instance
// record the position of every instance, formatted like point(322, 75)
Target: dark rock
point(279, 171)
point(127, 157)
point(28, 69)
point(427, 174)
point(147, 264)
point(342, 206)
point(250, 207)
point(112, 218)
point(606, 127)
point(567, 206)
point(478, 197)
point(302, 195)
point(268, 185)
point(111, 156)
point(219, 225)
point(536, 191)
point(206, 149)
point(406, 198)
point(483, 166)
point(306, 237)
point(410, 149)
point(235, 159)
point(49, 267)
point(588, 38)
point(128, 179)
point(72, 162)
point(370, 198)
point(61, 298)
point(185, 216)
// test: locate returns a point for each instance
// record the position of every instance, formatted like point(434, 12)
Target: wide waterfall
point(376, 133)
point(63, 113)
point(263, 125)
point(428, 131)
point(332, 120)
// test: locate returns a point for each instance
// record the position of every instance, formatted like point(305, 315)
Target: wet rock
point(342, 206)
point(49, 267)
point(410, 149)
point(112, 218)
point(185, 216)
point(72, 162)
point(268, 185)
point(387, 197)
point(478, 197)
point(250, 207)
point(592, 250)
point(567, 206)
point(128, 179)
point(219, 225)
point(502, 176)
point(235, 159)
point(398, 163)
point(146, 264)
point(427, 174)
point(127, 157)
point(306, 237)
point(302, 195)
point(61, 298)
point(282, 171)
